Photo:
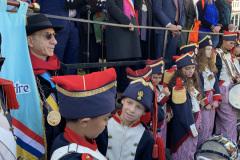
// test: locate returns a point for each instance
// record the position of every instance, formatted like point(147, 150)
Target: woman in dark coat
point(122, 43)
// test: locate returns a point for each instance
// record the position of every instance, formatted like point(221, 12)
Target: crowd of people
point(179, 104)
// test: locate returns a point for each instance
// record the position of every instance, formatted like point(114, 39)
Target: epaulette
point(86, 156)
point(179, 95)
point(168, 74)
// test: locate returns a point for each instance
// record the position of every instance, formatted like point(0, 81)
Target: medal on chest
point(53, 118)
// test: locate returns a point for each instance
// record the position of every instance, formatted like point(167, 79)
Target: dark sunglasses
point(49, 35)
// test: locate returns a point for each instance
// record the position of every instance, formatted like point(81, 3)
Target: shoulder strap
point(226, 63)
point(75, 148)
point(236, 68)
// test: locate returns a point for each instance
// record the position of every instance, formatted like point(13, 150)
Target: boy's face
point(157, 78)
point(96, 125)
point(131, 111)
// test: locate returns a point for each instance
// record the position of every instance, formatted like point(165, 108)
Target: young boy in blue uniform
point(125, 136)
point(162, 94)
point(86, 103)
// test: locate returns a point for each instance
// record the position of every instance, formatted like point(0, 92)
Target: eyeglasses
point(49, 35)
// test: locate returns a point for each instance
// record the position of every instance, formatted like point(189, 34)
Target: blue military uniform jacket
point(74, 152)
point(183, 121)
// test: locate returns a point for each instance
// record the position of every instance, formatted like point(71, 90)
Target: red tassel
point(10, 93)
point(161, 150)
point(12, 102)
point(155, 151)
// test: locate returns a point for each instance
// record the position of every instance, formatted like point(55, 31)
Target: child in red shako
point(185, 104)
point(125, 136)
point(86, 103)
point(162, 94)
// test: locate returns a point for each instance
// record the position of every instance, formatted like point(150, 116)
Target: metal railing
point(120, 63)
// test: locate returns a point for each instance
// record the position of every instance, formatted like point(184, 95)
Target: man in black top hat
point(67, 49)
point(41, 38)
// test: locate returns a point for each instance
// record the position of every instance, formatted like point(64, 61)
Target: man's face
point(42, 43)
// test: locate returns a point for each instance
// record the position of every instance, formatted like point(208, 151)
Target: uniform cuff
point(217, 97)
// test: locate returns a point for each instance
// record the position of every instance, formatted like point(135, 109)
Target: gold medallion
point(199, 97)
point(53, 118)
point(210, 77)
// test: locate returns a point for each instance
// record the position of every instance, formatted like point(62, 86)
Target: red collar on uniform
point(117, 115)
point(73, 137)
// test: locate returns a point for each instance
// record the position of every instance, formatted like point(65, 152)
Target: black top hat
point(39, 22)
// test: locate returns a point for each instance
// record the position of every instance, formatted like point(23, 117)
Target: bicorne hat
point(156, 65)
point(206, 41)
point(140, 73)
point(188, 48)
point(185, 60)
point(141, 91)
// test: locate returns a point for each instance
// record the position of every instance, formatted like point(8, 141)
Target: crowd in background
point(126, 44)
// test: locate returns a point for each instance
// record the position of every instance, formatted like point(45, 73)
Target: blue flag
point(27, 120)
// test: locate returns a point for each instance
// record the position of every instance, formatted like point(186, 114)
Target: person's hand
point(166, 91)
point(168, 116)
point(208, 107)
point(179, 27)
point(231, 27)
point(216, 29)
point(171, 26)
point(131, 28)
point(215, 105)
point(175, 33)
point(103, 27)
